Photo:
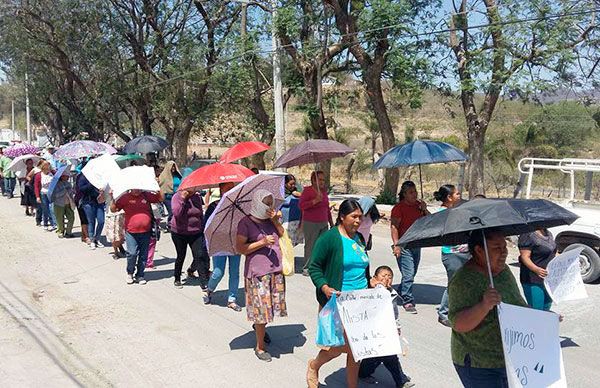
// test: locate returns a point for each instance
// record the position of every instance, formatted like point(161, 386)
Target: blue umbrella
point(420, 152)
point(61, 170)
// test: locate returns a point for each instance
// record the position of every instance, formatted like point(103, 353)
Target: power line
point(393, 26)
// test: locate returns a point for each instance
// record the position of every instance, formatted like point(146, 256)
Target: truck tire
point(589, 262)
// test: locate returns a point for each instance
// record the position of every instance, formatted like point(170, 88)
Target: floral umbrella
point(221, 227)
point(79, 149)
point(20, 149)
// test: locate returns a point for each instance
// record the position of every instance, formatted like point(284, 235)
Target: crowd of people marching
point(336, 255)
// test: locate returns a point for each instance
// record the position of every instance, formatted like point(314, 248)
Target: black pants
point(201, 261)
point(391, 363)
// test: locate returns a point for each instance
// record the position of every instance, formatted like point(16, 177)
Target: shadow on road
point(567, 342)
point(219, 298)
point(163, 261)
point(338, 379)
point(284, 339)
point(428, 293)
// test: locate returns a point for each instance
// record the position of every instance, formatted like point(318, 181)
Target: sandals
point(234, 306)
point(263, 356)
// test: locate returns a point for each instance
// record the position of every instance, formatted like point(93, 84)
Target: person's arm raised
point(469, 318)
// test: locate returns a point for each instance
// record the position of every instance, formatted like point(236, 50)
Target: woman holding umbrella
point(316, 214)
point(258, 239)
point(476, 343)
point(169, 181)
point(404, 214)
point(187, 230)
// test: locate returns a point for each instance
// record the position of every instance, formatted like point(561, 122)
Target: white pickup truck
point(585, 231)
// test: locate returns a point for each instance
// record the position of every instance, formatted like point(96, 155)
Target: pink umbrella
point(221, 227)
point(312, 151)
point(79, 149)
point(20, 149)
point(109, 149)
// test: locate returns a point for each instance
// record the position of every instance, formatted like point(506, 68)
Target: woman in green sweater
point(476, 343)
point(339, 263)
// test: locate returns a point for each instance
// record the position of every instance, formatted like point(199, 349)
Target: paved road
point(69, 319)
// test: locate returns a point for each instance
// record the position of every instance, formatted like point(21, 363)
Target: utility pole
point(27, 118)
point(277, 88)
point(12, 117)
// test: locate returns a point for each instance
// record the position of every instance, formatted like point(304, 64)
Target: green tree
point(510, 52)
point(375, 33)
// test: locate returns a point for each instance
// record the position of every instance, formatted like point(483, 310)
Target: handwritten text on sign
point(531, 347)
point(564, 277)
point(368, 318)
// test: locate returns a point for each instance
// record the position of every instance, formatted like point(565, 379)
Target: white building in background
point(8, 135)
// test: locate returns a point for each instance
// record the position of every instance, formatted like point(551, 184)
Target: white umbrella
point(100, 170)
point(18, 165)
point(133, 178)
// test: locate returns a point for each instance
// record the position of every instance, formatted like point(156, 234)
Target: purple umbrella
point(221, 227)
point(108, 149)
point(20, 149)
point(79, 149)
point(312, 151)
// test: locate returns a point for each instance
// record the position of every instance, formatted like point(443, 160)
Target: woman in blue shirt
point(453, 257)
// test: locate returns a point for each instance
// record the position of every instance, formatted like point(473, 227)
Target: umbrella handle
point(487, 259)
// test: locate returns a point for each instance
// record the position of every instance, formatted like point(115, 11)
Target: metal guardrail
point(569, 166)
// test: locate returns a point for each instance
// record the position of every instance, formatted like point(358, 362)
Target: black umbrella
point(507, 216)
point(145, 145)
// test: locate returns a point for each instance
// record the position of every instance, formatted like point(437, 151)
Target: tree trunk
point(262, 117)
point(258, 161)
point(348, 182)
point(180, 142)
point(476, 138)
point(375, 94)
point(316, 116)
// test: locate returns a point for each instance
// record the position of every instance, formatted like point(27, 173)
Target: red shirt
point(138, 213)
point(314, 213)
point(407, 214)
point(37, 184)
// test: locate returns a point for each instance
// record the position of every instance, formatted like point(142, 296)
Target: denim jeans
point(219, 271)
point(9, 186)
point(408, 262)
point(95, 216)
point(481, 377)
point(452, 262)
point(137, 252)
point(47, 214)
point(39, 211)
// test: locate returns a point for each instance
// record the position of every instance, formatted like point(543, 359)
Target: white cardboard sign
point(368, 318)
point(564, 277)
point(531, 347)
